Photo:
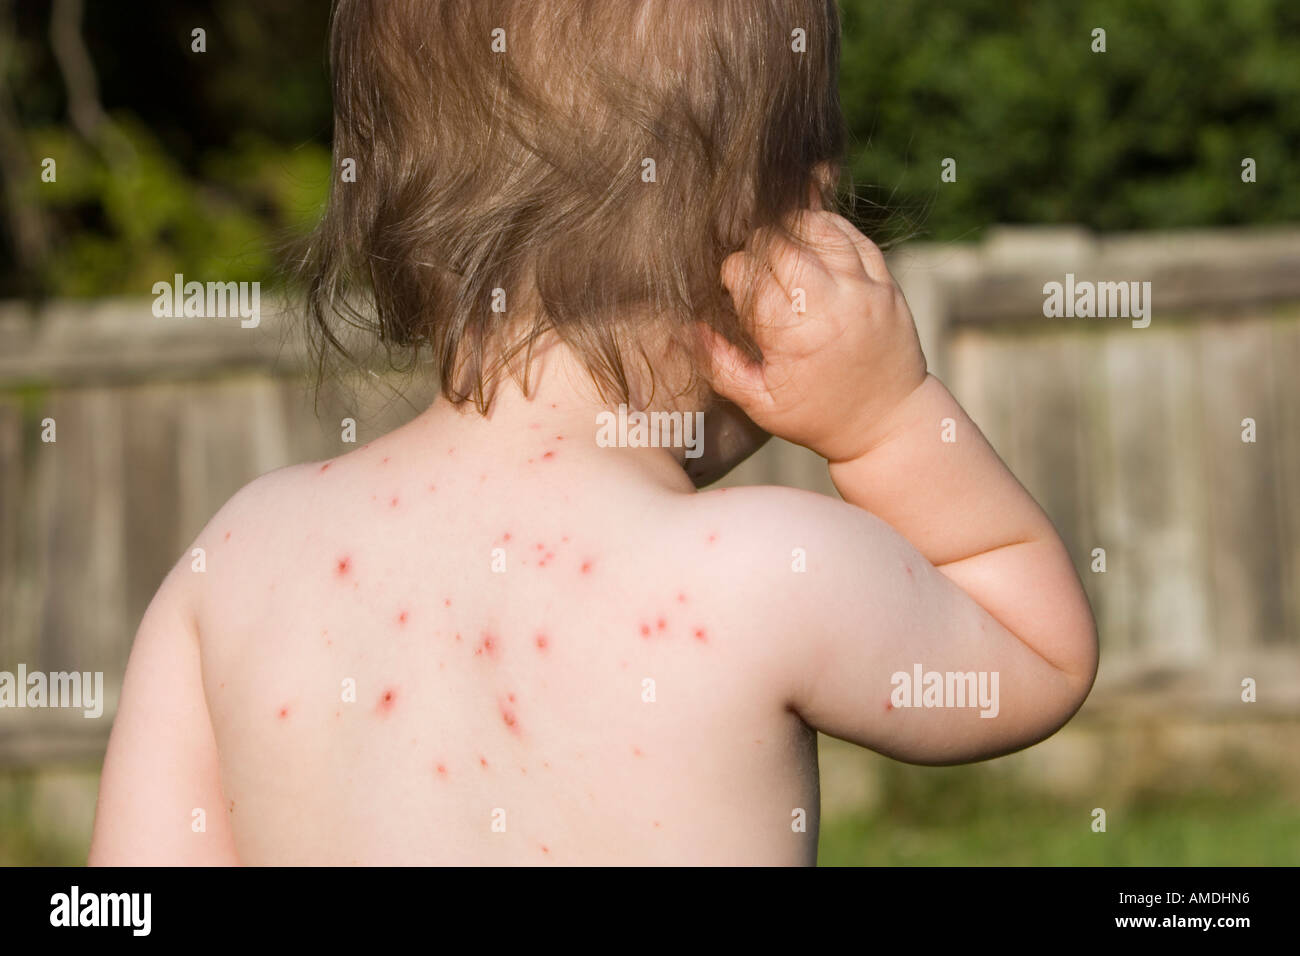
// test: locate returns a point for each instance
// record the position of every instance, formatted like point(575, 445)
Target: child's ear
point(825, 179)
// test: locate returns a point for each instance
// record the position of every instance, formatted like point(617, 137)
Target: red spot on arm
point(446, 602)
point(284, 713)
point(542, 642)
point(889, 704)
point(645, 630)
point(344, 566)
point(325, 467)
point(700, 635)
point(586, 567)
point(393, 502)
point(506, 536)
point(482, 762)
point(442, 770)
point(387, 700)
point(549, 454)
point(681, 598)
point(661, 624)
point(227, 535)
point(713, 537)
point(490, 646)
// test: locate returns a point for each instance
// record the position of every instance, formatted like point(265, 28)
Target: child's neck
point(557, 425)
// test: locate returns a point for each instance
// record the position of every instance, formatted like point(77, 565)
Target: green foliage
point(231, 160)
point(148, 218)
point(1149, 134)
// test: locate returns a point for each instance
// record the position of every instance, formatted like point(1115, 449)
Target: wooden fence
point(1130, 437)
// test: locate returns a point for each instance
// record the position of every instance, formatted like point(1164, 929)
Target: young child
point(488, 637)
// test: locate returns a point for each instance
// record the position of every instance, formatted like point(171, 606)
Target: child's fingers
point(732, 375)
point(869, 254)
point(743, 274)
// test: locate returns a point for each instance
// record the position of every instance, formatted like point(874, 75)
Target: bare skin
point(642, 681)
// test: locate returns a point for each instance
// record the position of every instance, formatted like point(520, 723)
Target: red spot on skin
point(542, 642)
point(661, 624)
point(446, 602)
point(325, 467)
point(637, 751)
point(482, 762)
point(385, 461)
point(451, 451)
point(506, 536)
point(344, 566)
point(553, 405)
point(433, 487)
point(510, 697)
point(393, 503)
point(645, 630)
point(712, 538)
point(560, 438)
point(284, 712)
point(458, 637)
point(700, 635)
point(535, 425)
point(442, 770)
point(681, 598)
point(227, 535)
point(908, 569)
point(889, 705)
point(511, 720)
point(544, 849)
point(490, 646)
point(540, 546)
point(549, 454)
point(586, 567)
point(656, 824)
point(401, 618)
point(387, 700)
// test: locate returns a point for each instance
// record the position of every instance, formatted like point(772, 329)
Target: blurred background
point(1123, 165)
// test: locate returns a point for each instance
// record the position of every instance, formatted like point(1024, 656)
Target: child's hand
point(832, 375)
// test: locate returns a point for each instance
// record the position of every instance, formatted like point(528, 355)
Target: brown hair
point(526, 170)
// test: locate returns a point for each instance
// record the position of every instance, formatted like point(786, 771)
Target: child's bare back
point(494, 642)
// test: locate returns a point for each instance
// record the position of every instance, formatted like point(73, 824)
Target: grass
point(950, 817)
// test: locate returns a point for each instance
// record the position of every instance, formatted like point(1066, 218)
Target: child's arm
point(847, 379)
point(161, 763)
